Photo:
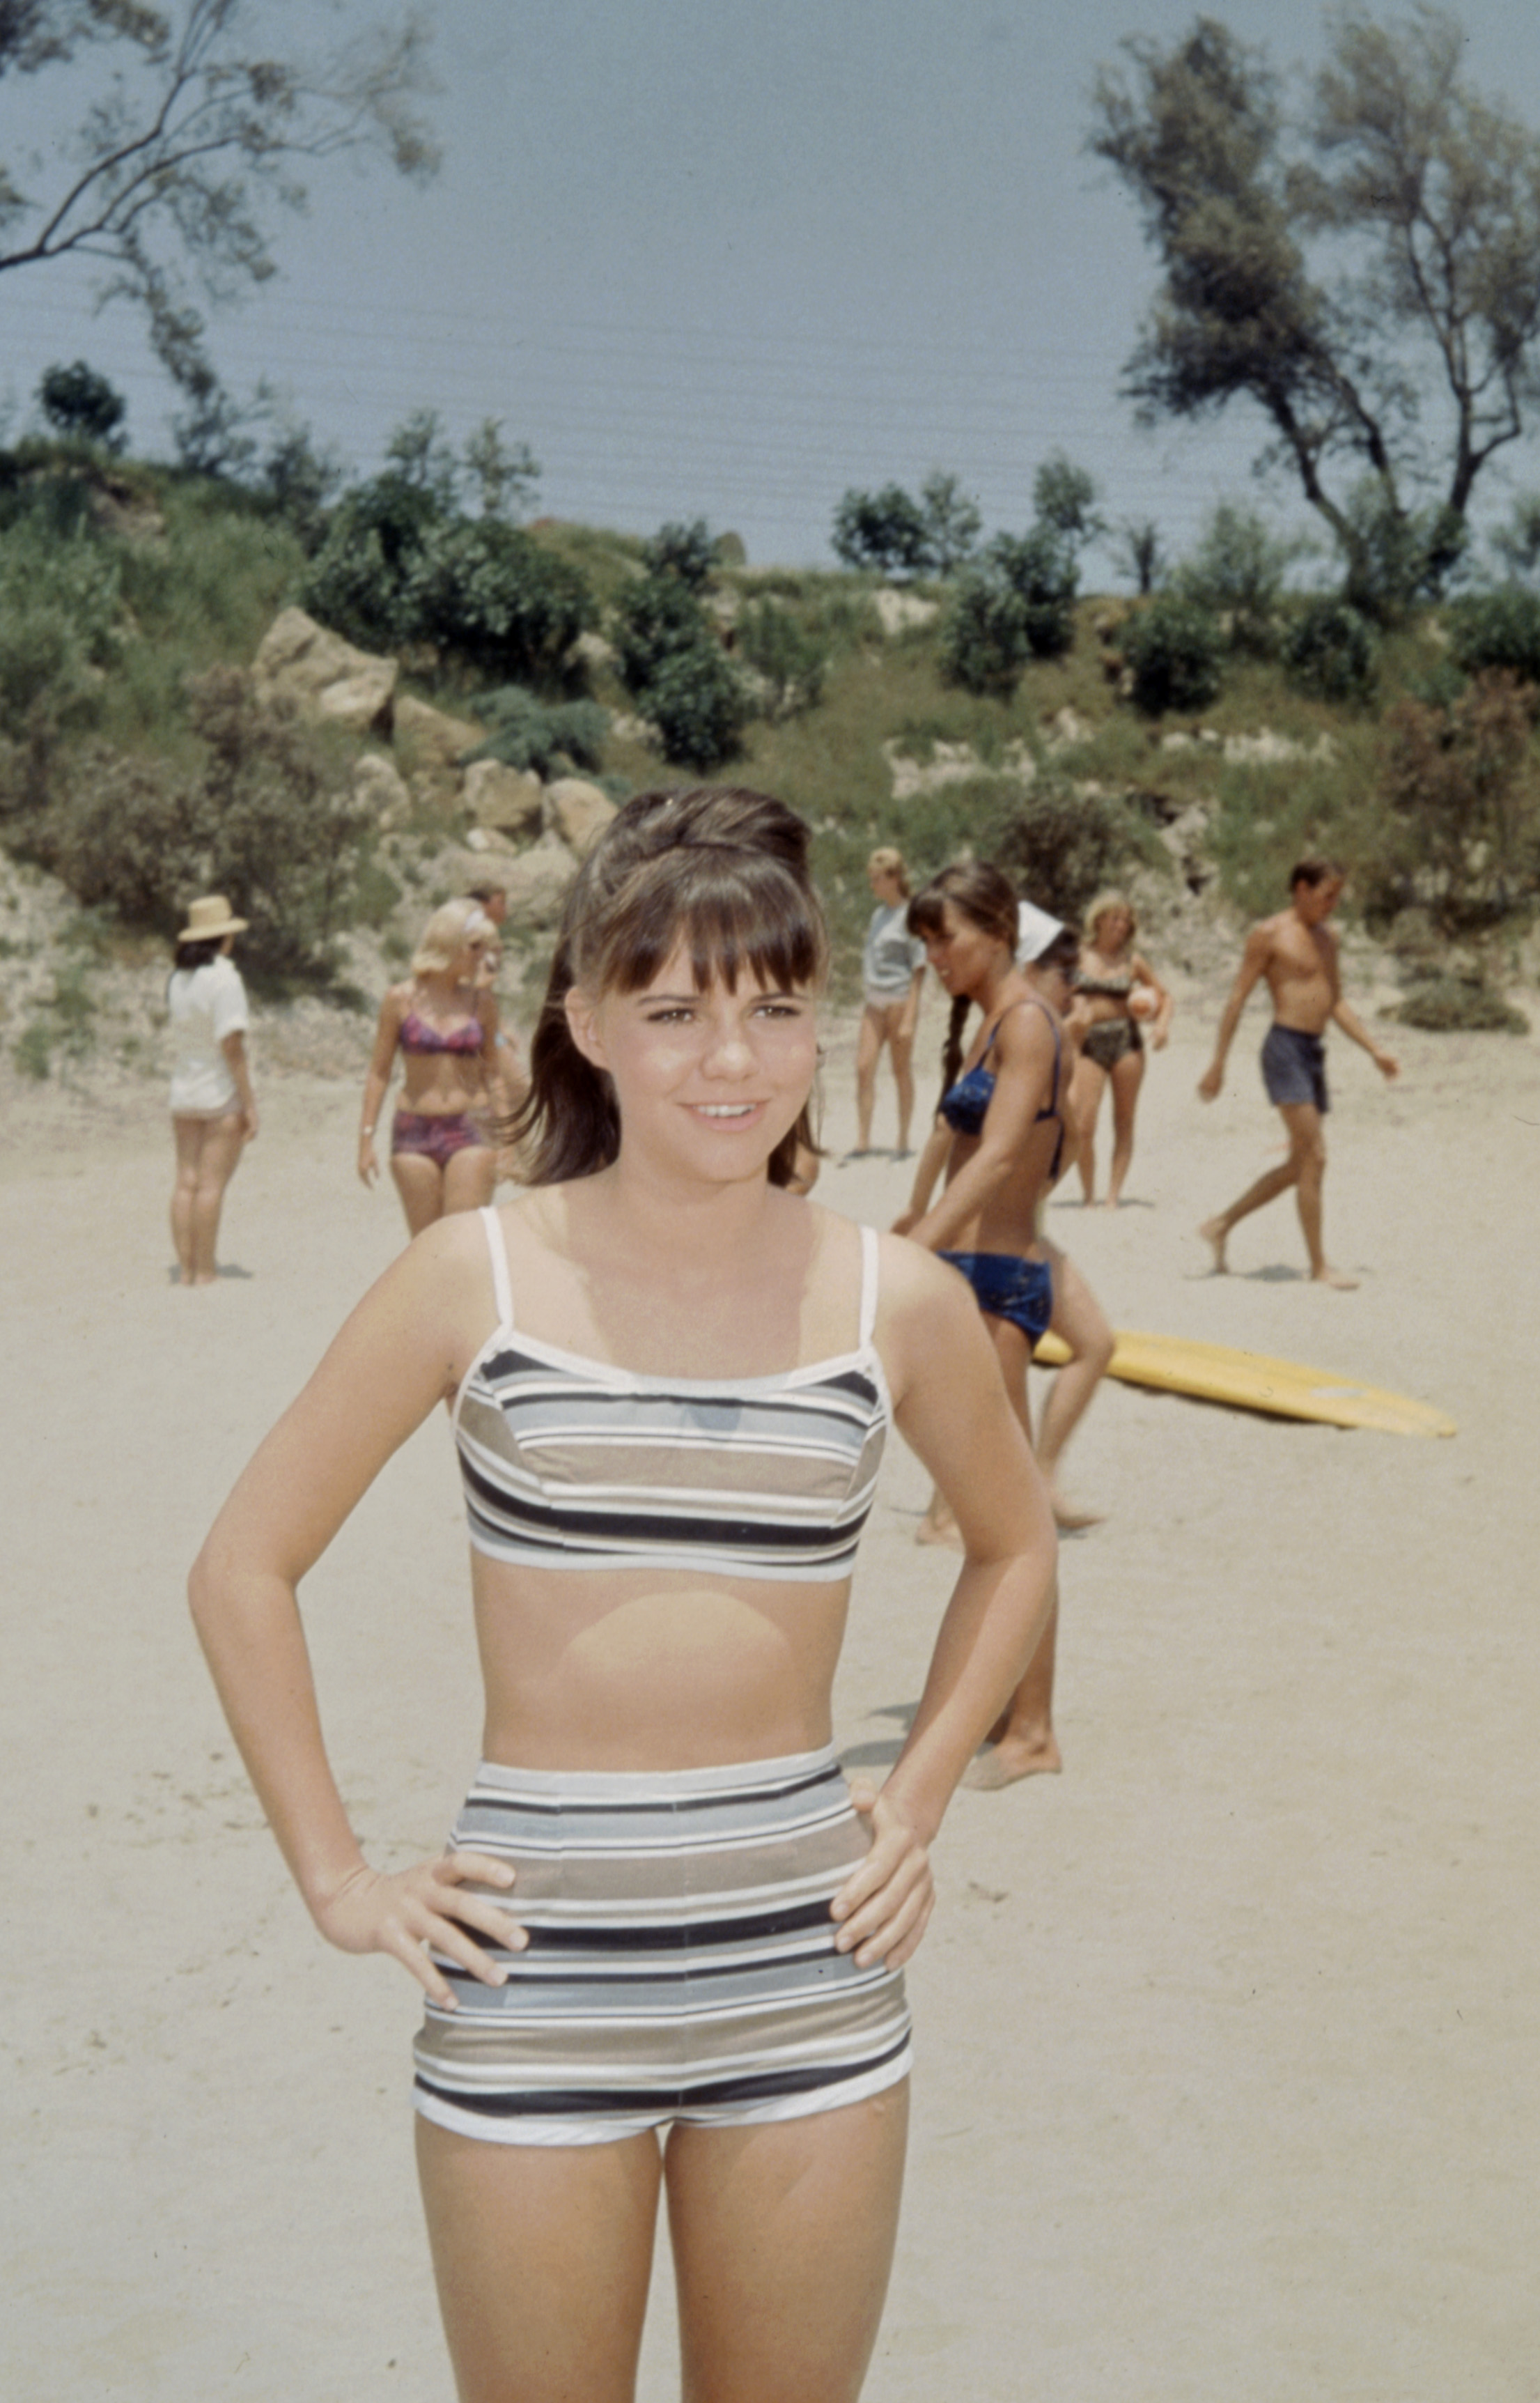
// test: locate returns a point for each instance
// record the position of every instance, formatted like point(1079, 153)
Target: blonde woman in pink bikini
point(444, 1026)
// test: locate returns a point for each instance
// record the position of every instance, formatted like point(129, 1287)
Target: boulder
point(324, 678)
point(379, 785)
point(593, 651)
point(537, 882)
point(577, 812)
point(511, 800)
point(899, 611)
point(429, 746)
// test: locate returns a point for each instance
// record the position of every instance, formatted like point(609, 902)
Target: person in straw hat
point(212, 1107)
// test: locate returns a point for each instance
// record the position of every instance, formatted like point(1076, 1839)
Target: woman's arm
point(234, 1048)
point(393, 1360)
point(393, 1010)
point(932, 1161)
point(1025, 1055)
point(951, 1404)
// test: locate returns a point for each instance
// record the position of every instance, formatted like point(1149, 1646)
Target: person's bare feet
point(932, 1530)
point(1216, 1235)
point(1333, 1277)
point(1014, 1758)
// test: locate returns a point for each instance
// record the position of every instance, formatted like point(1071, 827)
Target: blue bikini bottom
point(1009, 1288)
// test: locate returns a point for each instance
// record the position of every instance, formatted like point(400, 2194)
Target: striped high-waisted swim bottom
point(681, 1962)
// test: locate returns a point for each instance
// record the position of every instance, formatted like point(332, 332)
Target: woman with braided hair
point(662, 1953)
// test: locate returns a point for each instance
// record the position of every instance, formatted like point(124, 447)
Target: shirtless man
point(1297, 953)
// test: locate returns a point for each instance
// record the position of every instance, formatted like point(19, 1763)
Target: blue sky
point(728, 259)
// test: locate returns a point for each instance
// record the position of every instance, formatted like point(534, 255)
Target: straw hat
point(209, 918)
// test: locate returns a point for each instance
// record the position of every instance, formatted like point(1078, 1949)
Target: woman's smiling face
point(706, 1077)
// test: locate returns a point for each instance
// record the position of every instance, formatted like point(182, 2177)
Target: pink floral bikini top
point(416, 1034)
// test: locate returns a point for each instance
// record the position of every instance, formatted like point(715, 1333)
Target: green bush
point(1237, 574)
point(61, 606)
point(83, 405)
point(1173, 649)
point(550, 737)
point(1458, 1005)
point(885, 531)
point(1039, 567)
point(269, 818)
point(1328, 651)
point(787, 654)
point(687, 551)
point(657, 618)
point(983, 644)
point(700, 706)
point(1062, 845)
point(1497, 630)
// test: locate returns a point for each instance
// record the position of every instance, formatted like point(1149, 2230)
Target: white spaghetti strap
point(868, 1284)
point(497, 1251)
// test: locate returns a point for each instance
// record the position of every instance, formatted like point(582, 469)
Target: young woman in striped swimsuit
point(663, 1951)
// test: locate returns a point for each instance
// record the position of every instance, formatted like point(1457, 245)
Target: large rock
point(324, 678)
point(510, 799)
point(898, 612)
point(537, 882)
point(382, 789)
point(577, 812)
point(429, 746)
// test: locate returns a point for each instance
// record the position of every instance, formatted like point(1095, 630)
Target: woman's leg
point(542, 2255)
point(211, 1157)
point(188, 1135)
point(419, 1182)
point(868, 1047)
point(1086, 1086)
point(470, 1177)
point(1127, 1077)
point(782, 2245)
point(902, 1048)
point(1080, 1321)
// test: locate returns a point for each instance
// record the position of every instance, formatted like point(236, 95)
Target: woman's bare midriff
point(642, 1669)
point(1007, 1221)
point(434, 1084)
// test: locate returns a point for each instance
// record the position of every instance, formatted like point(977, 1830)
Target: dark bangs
point(736, 912)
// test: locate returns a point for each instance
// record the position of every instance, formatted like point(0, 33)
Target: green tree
point(82, 405)
point(1407, 353)
point(953, 523)
point(885, 529)
point(189, 136)
point(1237, 574)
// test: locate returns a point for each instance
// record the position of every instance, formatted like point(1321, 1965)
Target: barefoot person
point(1005, 1108)
point(892, 975)
point(443, 1022)
point(212, 1107)
point(1117, 994)
point(662, 1953)
point(1297, 953)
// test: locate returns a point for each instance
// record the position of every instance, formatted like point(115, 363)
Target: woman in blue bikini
point(663, 1954)
point(1004, 1108)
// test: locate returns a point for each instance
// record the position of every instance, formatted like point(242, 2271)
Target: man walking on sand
point(1297, 953)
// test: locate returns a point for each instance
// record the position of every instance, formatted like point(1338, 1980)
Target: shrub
point(269, 818)
point(687, 551)
point(542, 735)
point(1062, 845)
point(1448, 1004)
point(1039, 567)
point(82, 405)
point(1497, 630)
point(1328, 651)
point(700, 706)
point(791, 658)
point(60, 607)
point(1463, 810)
point(1237, 574)
point(884, 530)
point(657, 618)
point(983, 644)
point(1173, 649)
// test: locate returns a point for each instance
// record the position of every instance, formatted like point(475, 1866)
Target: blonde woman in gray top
point(893, 973)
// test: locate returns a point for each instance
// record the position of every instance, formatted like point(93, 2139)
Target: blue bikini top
point(964, 1105)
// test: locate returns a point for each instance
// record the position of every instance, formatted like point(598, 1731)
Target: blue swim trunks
point(1294, 1067)
point(1008, 1286)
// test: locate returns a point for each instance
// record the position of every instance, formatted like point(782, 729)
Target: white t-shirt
point(892, 954)
point(206, 1004)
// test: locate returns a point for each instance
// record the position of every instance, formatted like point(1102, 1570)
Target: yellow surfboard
point(1249, 1380)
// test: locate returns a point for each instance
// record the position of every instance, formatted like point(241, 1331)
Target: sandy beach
point(1226, 2084)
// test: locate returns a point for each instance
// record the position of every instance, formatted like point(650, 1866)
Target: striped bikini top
point(574, 1464)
